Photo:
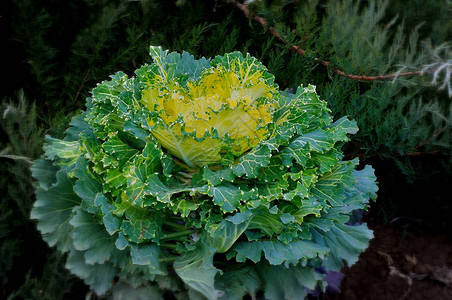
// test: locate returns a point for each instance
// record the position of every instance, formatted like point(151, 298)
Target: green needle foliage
point(19, 243)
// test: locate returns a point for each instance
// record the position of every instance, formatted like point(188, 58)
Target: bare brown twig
point(300, 51)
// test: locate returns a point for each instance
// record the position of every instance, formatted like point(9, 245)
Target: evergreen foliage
point(19, 240)
point(57, 51)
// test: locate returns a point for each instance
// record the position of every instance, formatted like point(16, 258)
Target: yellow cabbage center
point(204, 119)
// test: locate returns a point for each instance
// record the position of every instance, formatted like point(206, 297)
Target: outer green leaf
point(122, 242)
point(300, 190)
point(319, 141)
point(45, 172)
point(226, 195)
point(120, 150)
point(155, 187)
point(217, 177)
point(196, 269)
point(252, 162)
point(141, 225)
point(89, 235)
point(171, 65)
point(93, 149)
point(308, 207)
point(266, 222)
point(147, 255)
point(325, 161)
point(331, 186)
point(240, 217)
point(87, 186)
point(239, 283)
point(273, 190)
point(287, 218)
point(282, 283)
point(225, 234)
point(53, 209)
point(98, 276)
point(111, 222)
point(115, 179)
point(273, 171)
point(345, 243)
point(77, 126)
point(366, 182)
point(291, 152)
point(316, 109)
point(110, 89)
point(184, 207)
point(63, 149)
point(122, 291)
point(342, 127)
point(135, 129)
point(356, 196)
point(277, 253)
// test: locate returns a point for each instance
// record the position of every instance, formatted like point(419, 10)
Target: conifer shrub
point(200, 177)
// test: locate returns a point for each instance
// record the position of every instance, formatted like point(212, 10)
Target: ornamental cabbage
point(200, 177)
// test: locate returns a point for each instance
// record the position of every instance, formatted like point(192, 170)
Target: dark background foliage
point(54, 52)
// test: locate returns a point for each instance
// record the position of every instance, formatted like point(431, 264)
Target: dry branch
point(300, 51)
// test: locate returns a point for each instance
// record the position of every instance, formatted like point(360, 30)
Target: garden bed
point(400, 265)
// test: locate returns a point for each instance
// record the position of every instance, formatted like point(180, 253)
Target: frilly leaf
point(98, 276)
point(225, 234)
point(112, 223)
point(171, 65)
point(278, 253)
point(217, 177)
point(239, 283)
point(282, 283)
point(330, 186)
point(365, 182)
point(184, 207)
point(252, 162)
point(91, 236)
point(141, 225)
point(266, 222)
point(345, 243)
point(118, 149)
point(196, 269)
point(226, 195)
point(147, 255)
point(68, 150)
point(45, 172)
point(53, 208)
point(248, 68)
point(87, 185)
point(122, 290)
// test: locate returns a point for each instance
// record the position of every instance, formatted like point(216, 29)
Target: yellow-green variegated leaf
point(226, 109)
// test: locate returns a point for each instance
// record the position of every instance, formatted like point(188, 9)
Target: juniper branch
point(436, 134)
point(300, 51)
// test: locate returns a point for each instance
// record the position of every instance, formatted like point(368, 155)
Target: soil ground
point(400, 265)
point(411, 254)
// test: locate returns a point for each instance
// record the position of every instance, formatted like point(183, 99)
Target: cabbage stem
point(177, 234)
point(170, 246)
point(175, 225)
